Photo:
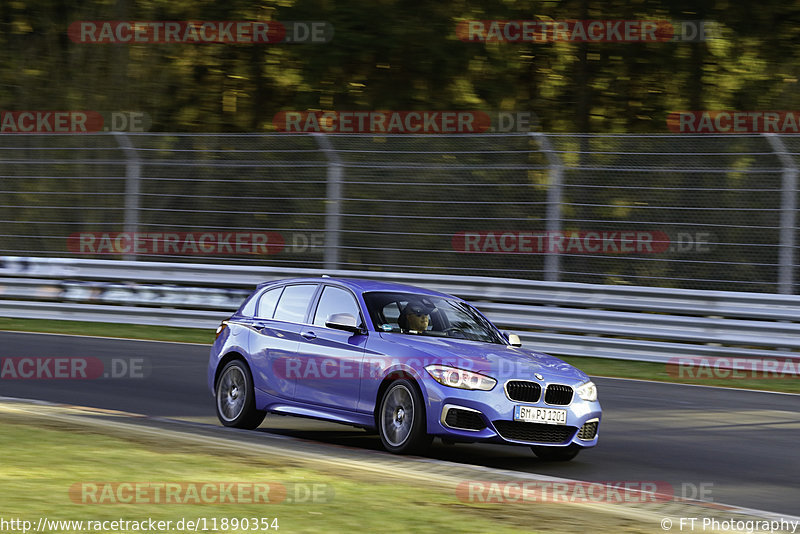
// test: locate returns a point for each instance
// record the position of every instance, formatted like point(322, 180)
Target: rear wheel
point(236, 400)
point(401, 419)
point(557, 454)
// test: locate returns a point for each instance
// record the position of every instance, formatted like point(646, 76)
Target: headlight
point(459, 378)
point(587, 391)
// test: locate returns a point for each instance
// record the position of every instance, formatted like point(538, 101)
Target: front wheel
point(401, 419)
point(236, 400)
point(557, 454)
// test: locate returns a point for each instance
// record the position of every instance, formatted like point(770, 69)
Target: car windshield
point(414, 314)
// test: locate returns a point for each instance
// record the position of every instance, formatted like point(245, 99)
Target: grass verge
point(52, 457)
point(129, 331)
point(593, 366)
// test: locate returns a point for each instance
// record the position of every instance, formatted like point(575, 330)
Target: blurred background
point(599, 155)
point(402, 56)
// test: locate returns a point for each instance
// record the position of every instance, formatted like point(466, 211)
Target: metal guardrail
point(618, 322)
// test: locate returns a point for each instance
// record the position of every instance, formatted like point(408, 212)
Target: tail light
point(221, 328)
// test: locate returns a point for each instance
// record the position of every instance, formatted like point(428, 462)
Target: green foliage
point(393, 54)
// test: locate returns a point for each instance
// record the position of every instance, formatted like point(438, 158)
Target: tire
point(557, 454)
point(401, 419)
point(235, 398)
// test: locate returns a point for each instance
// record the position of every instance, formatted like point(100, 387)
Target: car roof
point(361, 286)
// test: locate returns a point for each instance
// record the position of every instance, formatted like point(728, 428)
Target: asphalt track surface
point(739, 446)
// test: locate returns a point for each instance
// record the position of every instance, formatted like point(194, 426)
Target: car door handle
point(309, 335)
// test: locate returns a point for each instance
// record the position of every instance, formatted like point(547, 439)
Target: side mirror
point(514, 340)
point(343, 321)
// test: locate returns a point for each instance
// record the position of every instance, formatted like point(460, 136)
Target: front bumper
point(488, 416)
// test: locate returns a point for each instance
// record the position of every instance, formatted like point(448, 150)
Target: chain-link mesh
point(713, 212)
point(716, 199)
point(406, 200)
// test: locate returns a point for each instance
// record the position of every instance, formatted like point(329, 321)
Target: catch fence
point(714, 212)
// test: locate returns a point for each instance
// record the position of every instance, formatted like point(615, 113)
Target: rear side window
point(335, 300)
point(294, 302)
point(267, 302)
point(249, 308)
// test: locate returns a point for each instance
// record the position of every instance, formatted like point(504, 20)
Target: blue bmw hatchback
point(411, 363)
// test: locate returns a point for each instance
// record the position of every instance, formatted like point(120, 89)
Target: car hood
point(498, 361)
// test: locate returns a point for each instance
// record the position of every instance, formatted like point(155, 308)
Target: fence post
point(333, 203)
point(133, 171)
point(552, 260)
point(788, 215)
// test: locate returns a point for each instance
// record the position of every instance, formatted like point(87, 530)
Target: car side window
point(267, 302)
point(294, 302)
point(391, 312)
point(249, 308)
point(335, 300)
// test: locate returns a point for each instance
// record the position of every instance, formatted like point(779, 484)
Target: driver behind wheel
point(415, 317)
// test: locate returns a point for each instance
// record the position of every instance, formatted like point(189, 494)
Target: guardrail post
point(788, 215)
point(133, 171)
point(552, 260)
point(333, 204)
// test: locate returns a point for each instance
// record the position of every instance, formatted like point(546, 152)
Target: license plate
point(532, 414)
